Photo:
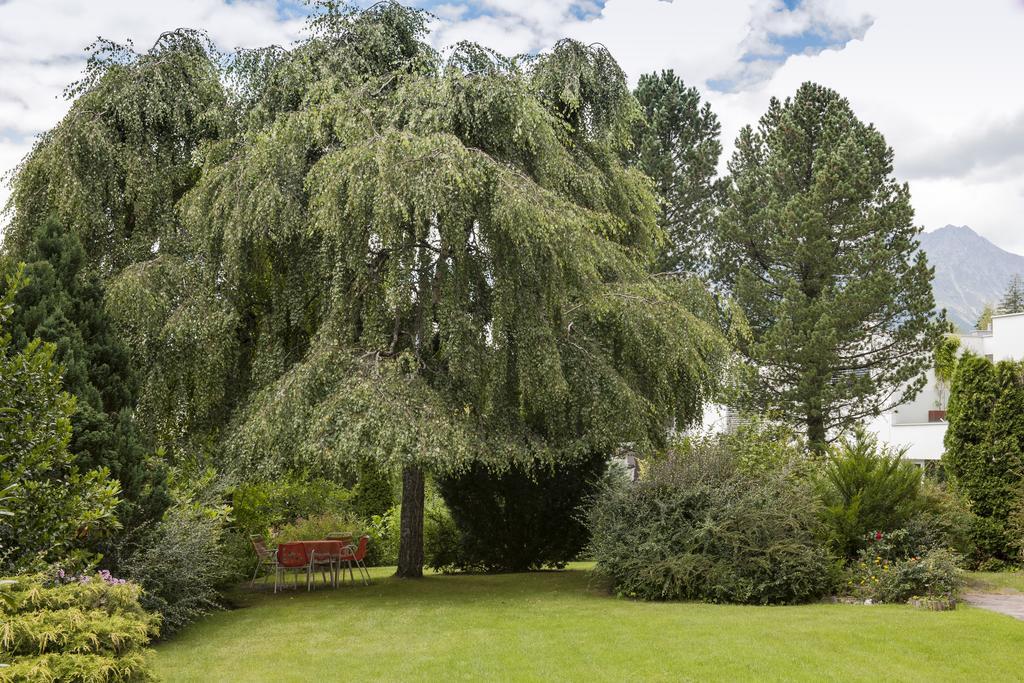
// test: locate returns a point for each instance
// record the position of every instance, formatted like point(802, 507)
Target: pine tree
point(677, 145)
point(819, 249)
point(1013, 297)
point(63, 304)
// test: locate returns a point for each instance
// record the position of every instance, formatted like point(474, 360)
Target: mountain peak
point(970, 271)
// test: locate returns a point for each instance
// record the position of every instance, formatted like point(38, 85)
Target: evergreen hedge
point(984, 455)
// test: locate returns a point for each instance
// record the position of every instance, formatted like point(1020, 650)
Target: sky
point(941, 79)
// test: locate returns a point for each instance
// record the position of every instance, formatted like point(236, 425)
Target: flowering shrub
point(61, 577)
point(883, 573)
point(66, 627)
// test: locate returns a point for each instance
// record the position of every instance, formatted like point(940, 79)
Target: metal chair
point(355, 555)
point(324, 559)
point(266, 559)
point(292, 556)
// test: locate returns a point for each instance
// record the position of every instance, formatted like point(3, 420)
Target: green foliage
point(62, 303)
point(985, 318)
point(1013, 298)
point(760, 448)
point(318, 526)
point(816, 243)
point(943, 520)
point(181, 563)
point(677, 146)
point(698, 528)
point(522, 518)
point(354, 249)
point(261, 507)
point(91, 628)
point(374, 492)
point(53, 504)
point(866, 487)
point(441, 547)
point(984, 456)
point(114, 168)
point(946, 355)
point(886, 570)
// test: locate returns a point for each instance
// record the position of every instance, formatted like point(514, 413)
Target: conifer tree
point(53, 502)
point(1013, 297)
point(62, 303)
point(819, 248)
point(677, 146)
point(984, 454)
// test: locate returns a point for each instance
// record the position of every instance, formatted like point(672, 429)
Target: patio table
point(324, 549)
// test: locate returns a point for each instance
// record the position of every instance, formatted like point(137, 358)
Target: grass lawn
point(997, 582)
point(560, 626)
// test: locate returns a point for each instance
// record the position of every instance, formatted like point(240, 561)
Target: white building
point(920, 425)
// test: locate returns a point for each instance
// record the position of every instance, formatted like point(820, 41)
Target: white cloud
point(42, 42)
point(939, 78)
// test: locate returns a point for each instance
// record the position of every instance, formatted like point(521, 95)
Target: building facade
point(920, 425)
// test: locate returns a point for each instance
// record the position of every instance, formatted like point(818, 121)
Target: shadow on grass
point(385, 589)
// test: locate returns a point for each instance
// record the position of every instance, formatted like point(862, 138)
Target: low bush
point(75, 628)
point(521, 519)
point(866, 487)
point(317, 527)
point(260, 507)
point(942, 521)
point(440, 536)
point(890, 570)
point(697, 527)
point(181, 564)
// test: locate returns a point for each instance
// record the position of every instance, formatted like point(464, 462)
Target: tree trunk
point(410, 547)
point(816, 437)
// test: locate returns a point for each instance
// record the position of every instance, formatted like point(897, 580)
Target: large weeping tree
point(817, 244)
point(374, 255)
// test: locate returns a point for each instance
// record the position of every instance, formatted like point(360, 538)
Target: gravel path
point(1004, 603)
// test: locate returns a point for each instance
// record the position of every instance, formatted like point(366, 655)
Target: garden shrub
point(889, 569)
point(523, 518)
point(75, 628)
point(260, 507)
point(55, 504)
point(942, 520)
point(317, 527)
point(1015, 526)
point(374, 493)
point(181, 564)
point(698, 528)
point(441, 539)
point(382, 546)
point(440, 536)
point(984, 456)
point(866, 487)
